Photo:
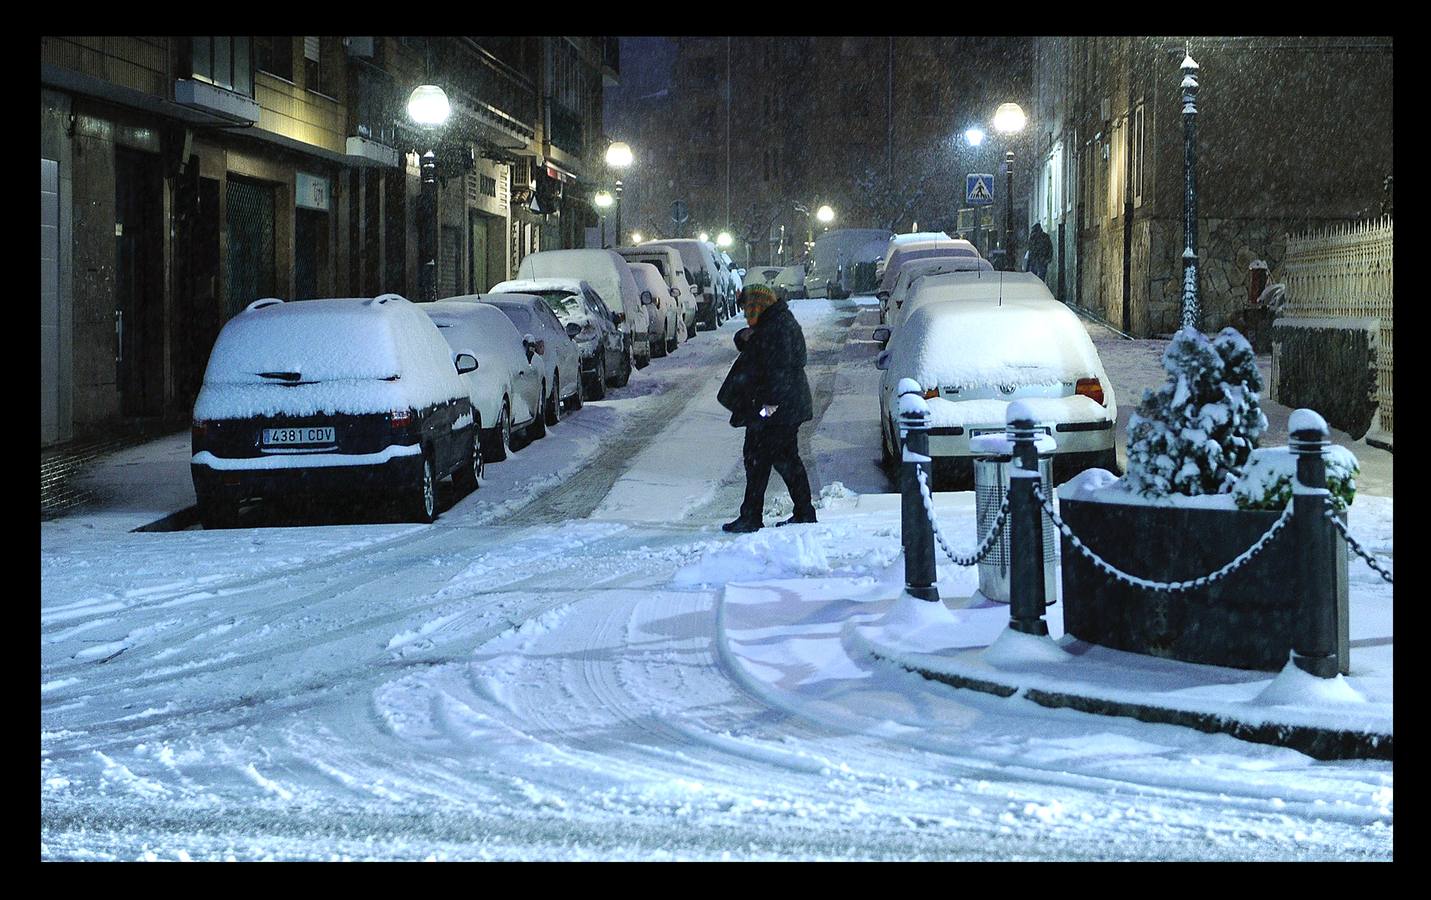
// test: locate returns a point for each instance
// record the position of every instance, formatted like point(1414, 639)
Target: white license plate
point(291, 437)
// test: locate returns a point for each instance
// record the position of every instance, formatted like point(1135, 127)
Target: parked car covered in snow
point(975, 356)
point(607, 272)
point(331, 397)
point(560, 360)
point(665, 315)
point(920, 250)
point(788, 282)
point(901, 240)
point(911, 273)
point(506, 385)
point(590, 324)
point(702, 272)
point(668, 262)
point(725, 288)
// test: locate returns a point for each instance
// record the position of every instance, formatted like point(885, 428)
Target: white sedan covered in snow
point(975, 356)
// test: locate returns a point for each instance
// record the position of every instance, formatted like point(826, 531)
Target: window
point(1139, 163)
point(223, 61)
point(274, 55)
point(318, 77)
point(488, 185)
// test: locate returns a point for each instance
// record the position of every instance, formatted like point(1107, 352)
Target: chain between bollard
point(1356, 548)
point(1168, 587)
point(984, 548)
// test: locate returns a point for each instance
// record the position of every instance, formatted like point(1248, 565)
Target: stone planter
point(1247, 620)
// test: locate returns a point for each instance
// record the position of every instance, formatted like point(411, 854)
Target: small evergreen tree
point(1194, 434)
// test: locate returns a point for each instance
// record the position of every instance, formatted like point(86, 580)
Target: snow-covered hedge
point(1266, 483)
point(1194, 434)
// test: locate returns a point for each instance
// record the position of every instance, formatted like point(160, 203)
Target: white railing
point(1345, 271)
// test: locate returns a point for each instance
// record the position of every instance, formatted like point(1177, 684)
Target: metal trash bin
point(991, 485)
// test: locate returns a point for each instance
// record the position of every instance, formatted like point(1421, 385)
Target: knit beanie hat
point(757, 299)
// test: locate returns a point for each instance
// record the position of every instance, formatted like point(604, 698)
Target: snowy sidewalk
point(828, 606)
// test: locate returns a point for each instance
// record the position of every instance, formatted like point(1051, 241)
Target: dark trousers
point(778, 446)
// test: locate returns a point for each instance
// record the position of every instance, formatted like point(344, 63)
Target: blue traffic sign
point(979, 190)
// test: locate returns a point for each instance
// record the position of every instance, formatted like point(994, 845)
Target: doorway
point(196, 279)
point(477, 253)
point(251, 243)
point(139, 282)
point(310, 252)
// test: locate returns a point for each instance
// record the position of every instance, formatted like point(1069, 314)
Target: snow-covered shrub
point(1266, 482)
point(1192, 435)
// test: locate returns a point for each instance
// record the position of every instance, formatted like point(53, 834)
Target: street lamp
point(1190, 312)
point(825, 215)
point(603, 202)
point(635, 237)
point(975, 136)
point(618, 157)
point(428, 108)
point(1009, 119)
point(724, 240)
point(704, 236)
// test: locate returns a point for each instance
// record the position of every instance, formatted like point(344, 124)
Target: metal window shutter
point(310, 48)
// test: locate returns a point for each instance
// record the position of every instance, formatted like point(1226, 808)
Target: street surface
point(546, 673)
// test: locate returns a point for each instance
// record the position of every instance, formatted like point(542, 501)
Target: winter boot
point(742, 526)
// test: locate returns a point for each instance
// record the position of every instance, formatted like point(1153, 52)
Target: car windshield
point(566, 306)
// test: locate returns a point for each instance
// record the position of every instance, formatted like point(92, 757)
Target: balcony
point(567, 132)
point(494, 93)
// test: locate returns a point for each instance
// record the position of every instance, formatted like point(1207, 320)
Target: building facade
point(182, 178)
point(755, 134)
point(1292, 133)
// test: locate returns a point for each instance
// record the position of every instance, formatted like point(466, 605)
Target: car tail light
point(931, 393)
point(1090, 388)
point(400, 418)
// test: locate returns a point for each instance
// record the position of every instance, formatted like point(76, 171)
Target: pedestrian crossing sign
point(979, 190)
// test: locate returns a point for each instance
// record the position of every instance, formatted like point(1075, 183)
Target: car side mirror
point(881, 334)
point(883, 296)
point(572, 329)
point(465, 362)
point(882, 361)
point(675, 291)
point(542, 347)
point(618, 317)
point(529, 344)
point(647, 299)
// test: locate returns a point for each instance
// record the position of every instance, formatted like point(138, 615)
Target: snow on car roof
point(352, 355)
point(983, 342)
point(527, 285)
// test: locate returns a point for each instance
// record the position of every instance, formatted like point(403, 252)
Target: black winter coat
point(776, 353)
point(735, 392)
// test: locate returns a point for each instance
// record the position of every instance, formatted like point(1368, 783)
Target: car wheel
point(218, 513)
point(658, 349)
point(419, 499)
point(673, 343)
point(598, 384)
point(624, 375)
point(886, 454)
point(538, 428)
point(554, 404)
point(498, 442)
point(469, 477)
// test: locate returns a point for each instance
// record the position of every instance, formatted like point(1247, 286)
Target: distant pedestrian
point(769, 395)
point(1040, 251)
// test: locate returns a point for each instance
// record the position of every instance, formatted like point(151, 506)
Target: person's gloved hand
point(767, 411)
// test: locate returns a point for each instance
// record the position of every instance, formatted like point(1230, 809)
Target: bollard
point(1315, 646)
point(1027, 602)
point(916, 531)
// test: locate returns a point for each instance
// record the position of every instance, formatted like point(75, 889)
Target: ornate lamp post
point(428, 108)
point(1191, 312)
point(1009, 119)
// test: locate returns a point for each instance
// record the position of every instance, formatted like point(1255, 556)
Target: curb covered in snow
point(1317, 741)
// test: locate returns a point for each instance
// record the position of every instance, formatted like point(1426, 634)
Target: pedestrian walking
point(1040, 251)
point(768, 395)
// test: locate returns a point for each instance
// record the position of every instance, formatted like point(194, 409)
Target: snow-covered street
point(575, 663)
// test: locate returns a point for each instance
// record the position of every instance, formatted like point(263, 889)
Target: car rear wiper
point(283, 376)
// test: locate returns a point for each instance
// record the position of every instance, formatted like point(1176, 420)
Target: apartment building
point(183, 178)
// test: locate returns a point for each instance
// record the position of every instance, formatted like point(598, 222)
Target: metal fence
point(1345, 272)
